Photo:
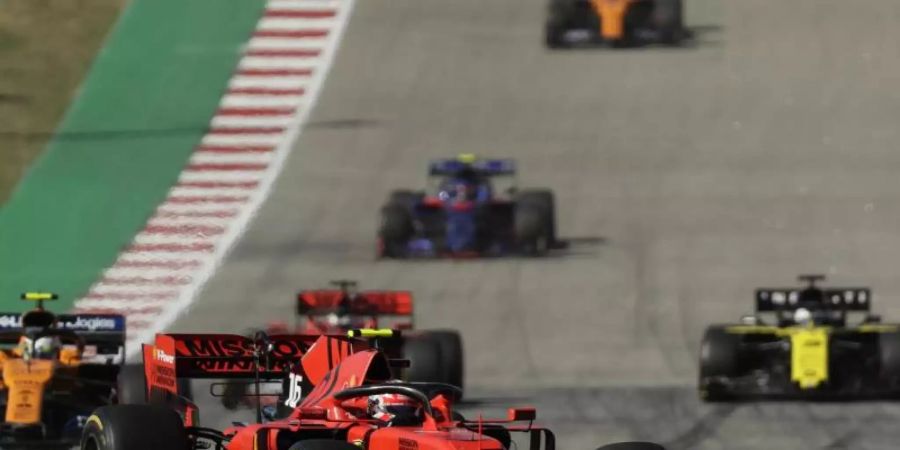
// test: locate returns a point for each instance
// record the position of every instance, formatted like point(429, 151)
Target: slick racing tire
point(553, 36)
point(669, 20)
point(395, 230)
point(134, 427)
point(132, 390)
point(632, 446)
point(451, 348)
point(889, 355)
point(405, 197)
point(322, 444)
point(544, 199)
point(531, 229)
point(718, 358)
point(424, 355)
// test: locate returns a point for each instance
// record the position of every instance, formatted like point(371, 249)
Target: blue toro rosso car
point(466, 212)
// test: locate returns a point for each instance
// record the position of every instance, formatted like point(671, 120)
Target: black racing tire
point(134, 427)
point(669, 18)
point(452, 361)
point(545, 199)
point(424, 355)
point(719, 357)
point(405, 197)
point(632, 446)
point(553, 36)
point(322, 444)
point(395, 230)
point(531, 229)
point(131, 388)
point(889, 357)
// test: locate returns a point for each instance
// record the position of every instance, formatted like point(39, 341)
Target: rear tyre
point(718, 358)
point(889, 355)
point(530, 228)
point(553, 36)
point(632, 446)
point(669, 18)
point(424, 355)
point(405, 197)
point(544, 199)
point(451, 348)
point(395, 231)
point(322, 444)
point(131, 388)
point(134, 427)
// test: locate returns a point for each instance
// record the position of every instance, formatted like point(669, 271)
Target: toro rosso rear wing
point(789, 299)
point(486, 167)
point(374, 303)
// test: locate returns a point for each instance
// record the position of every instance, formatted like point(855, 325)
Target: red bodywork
point(367, 307)
point(328, 365)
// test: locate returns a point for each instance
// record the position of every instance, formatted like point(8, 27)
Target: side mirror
point(521, 414)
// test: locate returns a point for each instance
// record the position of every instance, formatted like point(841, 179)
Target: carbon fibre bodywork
point(616, 22)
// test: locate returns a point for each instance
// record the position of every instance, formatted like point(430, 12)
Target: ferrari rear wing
point(374, 303)
point(224, 356)
point(789, 299)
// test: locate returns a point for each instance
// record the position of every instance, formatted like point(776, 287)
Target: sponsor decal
point(280, 349)
point(162, 356)
point(10, 321)
point(91, 323)
point(295, 390)
point(408, 444)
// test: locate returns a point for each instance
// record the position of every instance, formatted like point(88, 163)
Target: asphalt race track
point(684, 179)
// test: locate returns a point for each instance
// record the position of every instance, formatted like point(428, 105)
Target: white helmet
point(802, 316)
point(46, 347)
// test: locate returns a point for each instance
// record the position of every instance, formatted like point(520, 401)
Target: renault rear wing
point(789, 299)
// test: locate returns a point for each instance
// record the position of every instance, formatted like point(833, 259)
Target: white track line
point(226, 180)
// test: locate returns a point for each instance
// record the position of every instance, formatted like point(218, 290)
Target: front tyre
point(322, 444)
point(134, 427)
point(632, 446)
point(395, 230)
point(719, 358)
point(451, 348)
point(424, 355)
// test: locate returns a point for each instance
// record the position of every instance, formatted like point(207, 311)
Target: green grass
point(46, 48)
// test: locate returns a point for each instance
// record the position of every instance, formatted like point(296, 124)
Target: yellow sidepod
point(809, 356)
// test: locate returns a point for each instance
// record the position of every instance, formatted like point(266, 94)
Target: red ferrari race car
point(434, 355)
point(341, 395)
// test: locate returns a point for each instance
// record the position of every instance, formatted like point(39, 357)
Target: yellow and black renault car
point(809, 342)
point(55, 370)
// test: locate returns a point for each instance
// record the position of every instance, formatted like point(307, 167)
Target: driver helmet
point(803, 316)
point(394, 408)
point(46, 347)
point(339, 320)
